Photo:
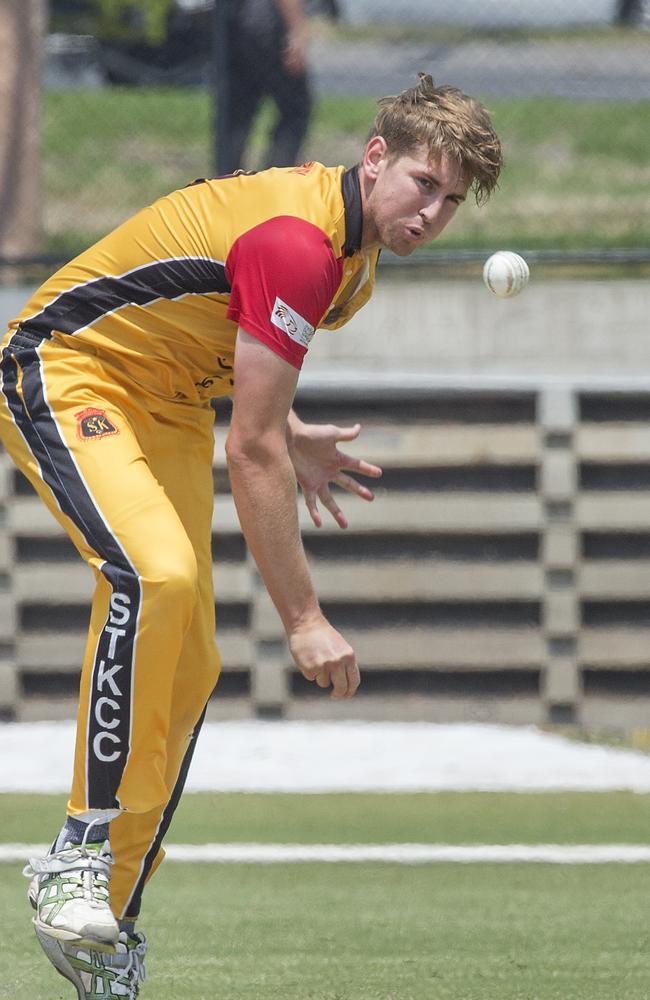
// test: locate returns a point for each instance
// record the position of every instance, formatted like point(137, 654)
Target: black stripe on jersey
point(132, 906)
point(109, 719)
point(351, 190)
point(84, 304)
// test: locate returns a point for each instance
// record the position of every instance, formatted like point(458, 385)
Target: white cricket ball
point(505, 273)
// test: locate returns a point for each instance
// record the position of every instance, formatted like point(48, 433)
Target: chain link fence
point(129, 99)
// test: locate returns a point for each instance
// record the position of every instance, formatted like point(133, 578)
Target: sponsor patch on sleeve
point(291, 323)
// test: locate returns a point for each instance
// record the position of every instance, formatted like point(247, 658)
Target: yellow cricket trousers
point(129, 476)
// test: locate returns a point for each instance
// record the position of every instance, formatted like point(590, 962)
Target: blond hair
point(447, 121)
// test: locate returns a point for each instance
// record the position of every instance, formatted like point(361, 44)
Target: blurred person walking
point(267, 57)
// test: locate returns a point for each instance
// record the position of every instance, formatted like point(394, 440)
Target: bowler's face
point(409, 200)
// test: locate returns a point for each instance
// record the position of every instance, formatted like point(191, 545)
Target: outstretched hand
point(318, 462)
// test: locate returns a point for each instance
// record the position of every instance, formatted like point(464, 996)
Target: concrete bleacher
point(502, 573)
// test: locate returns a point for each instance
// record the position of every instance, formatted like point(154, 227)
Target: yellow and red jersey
point(275, 252)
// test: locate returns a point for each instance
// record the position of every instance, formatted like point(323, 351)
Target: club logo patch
point(303, 169)
point(291, 323)
point(93, 423)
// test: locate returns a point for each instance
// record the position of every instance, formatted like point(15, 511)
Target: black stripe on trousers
point(134, 902)
point(109, 715)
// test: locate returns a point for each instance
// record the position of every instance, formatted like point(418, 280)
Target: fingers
point(367, 469)
point(312, 507)
point(331, 505)
point(352, 486)
point(349, 461)
point(324, 495)
point(359, 465)
point(324, 657)
point(347, 433)
point(344, 678)
point(339, 680)
point(354, 677)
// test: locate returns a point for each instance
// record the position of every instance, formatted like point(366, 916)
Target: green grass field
point(370, 931)
point(576, 174)
point(446, 817)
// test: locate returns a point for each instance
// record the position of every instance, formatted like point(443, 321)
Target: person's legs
point(292, 96)
point(184, 468)
point(629, 12)
point(245, 93)
point(77, 437)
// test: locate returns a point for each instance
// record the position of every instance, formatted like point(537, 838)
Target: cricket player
point(107, 378)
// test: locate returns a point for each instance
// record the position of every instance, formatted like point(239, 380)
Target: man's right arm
point(264, 489)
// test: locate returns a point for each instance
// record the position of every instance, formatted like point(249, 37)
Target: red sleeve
point(283, 276)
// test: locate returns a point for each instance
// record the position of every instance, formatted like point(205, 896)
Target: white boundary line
point(401, 854)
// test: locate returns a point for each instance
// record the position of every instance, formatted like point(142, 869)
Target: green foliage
point(122, 18)
point(116, 20)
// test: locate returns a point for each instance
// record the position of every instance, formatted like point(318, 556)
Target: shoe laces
point(89, 826)
point(82, 864)
point(135, 962)
point(128, 962)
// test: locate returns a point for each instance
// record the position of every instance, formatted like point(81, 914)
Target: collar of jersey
point(351, 190)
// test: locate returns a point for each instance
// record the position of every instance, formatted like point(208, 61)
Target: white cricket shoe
point(70, 893)
point(97, 975)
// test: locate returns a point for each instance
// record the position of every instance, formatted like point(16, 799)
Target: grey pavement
point(609, 66)
point(579, 70)
point(483, 13)
point(12, 301)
